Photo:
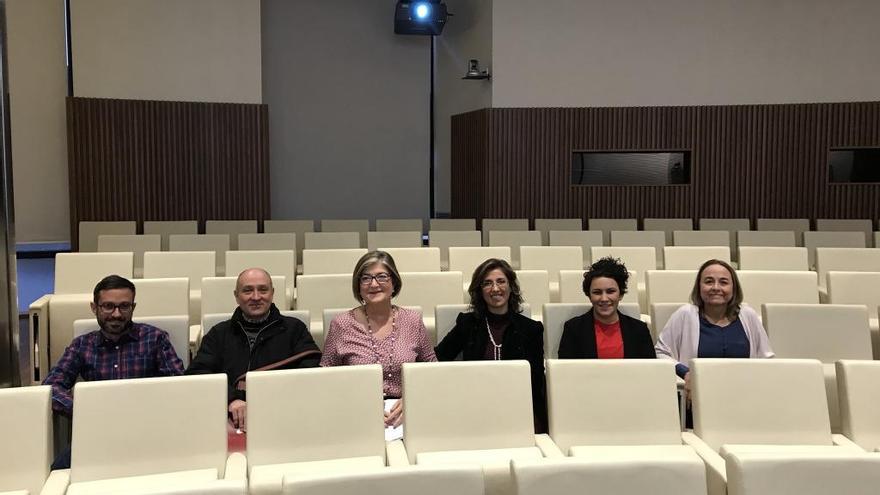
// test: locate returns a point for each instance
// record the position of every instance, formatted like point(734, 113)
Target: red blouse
point(609, 340)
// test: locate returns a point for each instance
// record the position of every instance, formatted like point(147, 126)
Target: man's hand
point(238, 410)
point(395, 416)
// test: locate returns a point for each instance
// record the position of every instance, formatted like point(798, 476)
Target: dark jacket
point(225, 348)
point(523, 339)
point(579, 338)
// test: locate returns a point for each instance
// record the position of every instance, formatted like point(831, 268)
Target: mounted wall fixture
point(474, 71)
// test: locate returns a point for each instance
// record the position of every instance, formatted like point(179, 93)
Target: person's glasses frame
point(109, 307)
point(380, 278)
point(488, 284)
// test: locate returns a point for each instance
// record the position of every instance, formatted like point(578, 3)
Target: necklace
point(496, 352)
point(375, 343)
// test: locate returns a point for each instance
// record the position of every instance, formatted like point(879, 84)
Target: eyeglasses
point(381, 278)
point(109, 307)
point(488, 284)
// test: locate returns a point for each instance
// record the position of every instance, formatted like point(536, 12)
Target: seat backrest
point(177, 327)
point(855, 288)
point(603, 402)
point(400, 225)
point(452, 224)
point(167, 227)
point(444, 239)
point(298, 227)
point(89, 232)
point(865, 225)
point(416, 259)
point(660, 313)
point(219, 243)
point(467, 259)
point(586, 239)
point(672, 286)
point(761, 287)
point(275, 262)
point(858, 385)
point(702, 238)
point(668, 226)
point(231, 227)
point(796, 225)
point(545, 225)
point(78, 273)
point(813, 240)
point(555, 316)
point(846, 260)
point(777, 238)
point(424, 480)
point(635, 238)
point(218, 294)
point(327, 261)
point(535, 288)
point(315, 293)
point(162, 296)
point(436, 421)
point(757, 473)
point(636, 259)
point(428, 289)
point(606, 225)
point(268, 242)
point(571, 287)
point(760, 401)
point(773, 258)
point(333, 240)
point(692, 257)
point(64, 309)
point(551, 259)
point(731, 225)
point(444, 318)
point(105, 445)
point(194, 265)
point(490, 224)
point(361, 226)
point(137, 244)
point(514, 239)
point(826, 332)
point(342, 420)
point(27, 412)
point(393, 239)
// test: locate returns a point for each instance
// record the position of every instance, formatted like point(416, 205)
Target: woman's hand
point(687, 387)
point(394, 417)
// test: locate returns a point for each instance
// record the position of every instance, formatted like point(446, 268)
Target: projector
point(422, 17)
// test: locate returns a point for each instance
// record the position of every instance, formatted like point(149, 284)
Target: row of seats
point(613, 428)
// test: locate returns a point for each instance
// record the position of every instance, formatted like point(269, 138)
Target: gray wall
point(348, 110)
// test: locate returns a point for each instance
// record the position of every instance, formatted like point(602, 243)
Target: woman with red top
point(603, 332)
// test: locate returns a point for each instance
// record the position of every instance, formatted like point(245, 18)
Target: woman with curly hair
point(603, 332)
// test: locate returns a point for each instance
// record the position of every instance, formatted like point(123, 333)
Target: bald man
point(257, 337)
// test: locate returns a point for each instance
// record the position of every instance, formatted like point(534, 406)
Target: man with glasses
point(257, 338)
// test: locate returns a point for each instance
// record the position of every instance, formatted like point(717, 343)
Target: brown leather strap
point(240, 381)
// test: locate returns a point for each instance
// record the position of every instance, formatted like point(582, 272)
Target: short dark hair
point(478, 304)
point(736, 299)
point(607, 267)
point(111, 282)
point(365, 263)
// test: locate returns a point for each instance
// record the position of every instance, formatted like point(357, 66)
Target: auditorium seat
point(231, 228)
point(219, 243)
point(845, 260)
point(167, 227)
point(757, 473)
point(298, 227)
point(767, 238)
point(692, 257)
point(702, 238)
point(660, 313)
point(858, 384)
point(585, 239)
point(428, 289)
point(77, 273)
point(444, 319)
point(731, 225)
point(311, 421)
point(571, 288)
point(388, 239)
point(827, 332)
point(333, 240)
point(638, 238)
point(556, 314)
point(315, 293)
point(759, 405)
point(514, 239)
point(111, 456)
point(277, 262)
point(89, 232)
point(761, 287)
point(137, 244)
point(813, 240)
point(606, 225)
point(796, 225)
point(361, 226)
point(455, 224)
point(161, 296)
point(865, 225)
point(467, 259)
point(668, 226)
point(331, 261)
point(194, 265)
point(177, 327)
point(27, 414)
point(534, 285)
point(669, 286)
point(636, 259)
point(444, 239)
point(400, 225)
point(545, 225)
point(424, 480)
point(858, 288)
point(773, 258)
point(416, 259)
point(495, 427)
point(503, 224)
point(551, 259)
point(212, 319)
point(267, 242)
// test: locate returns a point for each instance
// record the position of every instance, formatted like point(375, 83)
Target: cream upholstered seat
point(137, 244)
point(845, 260)
point(636, 259)
point(773, 258)
point(858, 385)
point(444, 239)
point(827, 332)
point(328, 261)
point(660, 313)
point(361, 226)
point(673, 286)
point(779, 405)
point(502, 224)
point(758, 473)
point(333, 240)
point(89, 232)
point(428, 289)
point(606, 225)
point(813, 240)
point(194, 265)
point(535, 288)
point(218, 243)
point(177, 327)
point(731, 225)
point(276, 262)
point(514, 239)
point(110, 456)
point(392, 239)
point(232, 228)
point(796, 225)
point(416, 259)
point(545, 225)
point(315, 293)
point(637, 238)
point(77, 273)
point(268, 241)
point(556, 314)
point(692, 257)
point(858, 288)
point(424, 480)
point(298, 227)
point(668, 226)
point(164, 228)
point(551, 259)
point(452, 224)
point(865, 225)
point(761, 287)
point(702, 238)
point(292, 429)
point(585, 239)
point(438, 430)
point(768, 238)
point(27, 452)
point(467, 259)
point(400, 225)
point(444, 319)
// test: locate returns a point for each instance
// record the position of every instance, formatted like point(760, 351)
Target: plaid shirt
point(144, 351)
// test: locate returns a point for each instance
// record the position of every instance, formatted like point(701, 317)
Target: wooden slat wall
point(755, 161)
point(164, 160)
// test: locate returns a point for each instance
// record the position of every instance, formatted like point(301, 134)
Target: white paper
point(392, 432)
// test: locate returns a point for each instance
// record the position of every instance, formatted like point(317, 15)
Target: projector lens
point(422, 10)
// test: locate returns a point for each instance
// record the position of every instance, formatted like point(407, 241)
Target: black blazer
point(579, 338)
point(523, 339)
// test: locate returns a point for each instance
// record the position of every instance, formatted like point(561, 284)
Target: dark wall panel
point(755, 161)
point(163, 160)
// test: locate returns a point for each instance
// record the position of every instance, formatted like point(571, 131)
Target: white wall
point(348, 110)
point(586, 53)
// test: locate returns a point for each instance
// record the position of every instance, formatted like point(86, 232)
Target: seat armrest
point(195, 338)
point(716, 469)
point(38, 327)
point(548, 446)
point(396, 455)
point(842, 441)
point(57, 482)
point(236, 467)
